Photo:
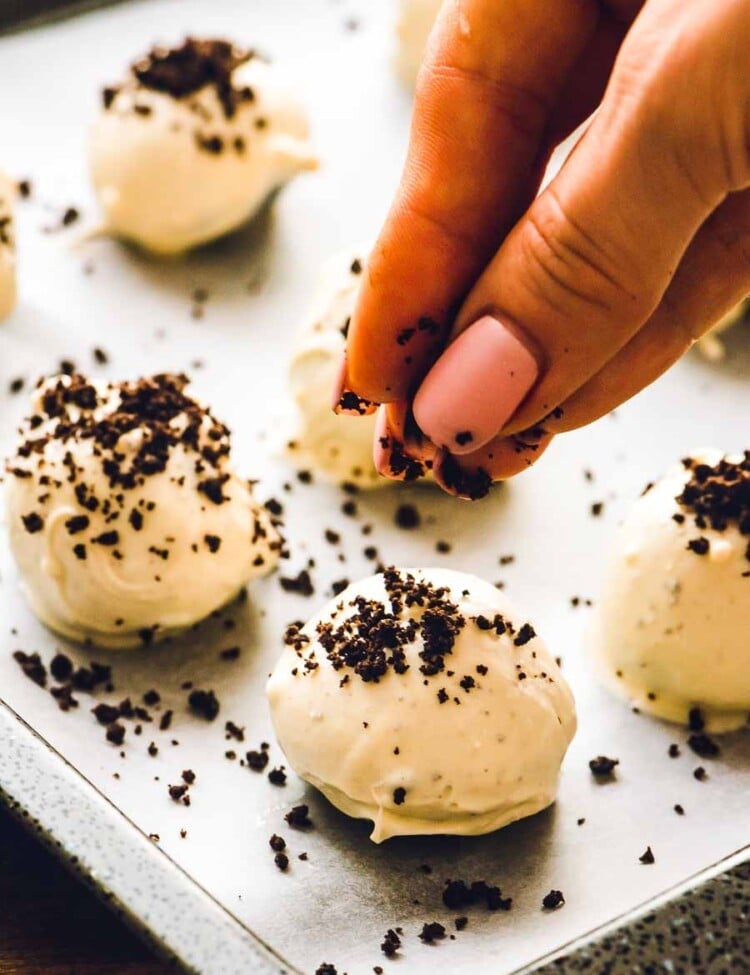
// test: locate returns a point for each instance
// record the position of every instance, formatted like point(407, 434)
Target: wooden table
point(50, 924)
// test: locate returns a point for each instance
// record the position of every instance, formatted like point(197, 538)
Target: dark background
point(50, 924)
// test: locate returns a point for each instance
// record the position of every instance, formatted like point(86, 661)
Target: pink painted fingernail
point(344, 401)
point(389, 455)
point(475, 386)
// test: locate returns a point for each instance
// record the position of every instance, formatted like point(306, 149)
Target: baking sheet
point(337, 905)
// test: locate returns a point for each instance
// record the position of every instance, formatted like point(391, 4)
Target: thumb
point(588, 263)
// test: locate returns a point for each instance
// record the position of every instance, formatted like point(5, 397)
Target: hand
point(491, 318)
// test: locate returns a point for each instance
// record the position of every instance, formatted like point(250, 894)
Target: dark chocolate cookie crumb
point(431, 932)
point(390, 944)
point(301, 584)
point(553, 900)
point(472, 484)
point(277, 776)
point(105, 713)
point(177, 792)
point(703, 746)
point(458, 894)
point(298, 817)
point(696, 721)
point(32, 667)
point(603, 767)
point(699, 545)
point(257, 759)
point(647, 856)
point(115, 733)
point(203, 704)
point(61, 667)
point(407, 516)
point(182, 71)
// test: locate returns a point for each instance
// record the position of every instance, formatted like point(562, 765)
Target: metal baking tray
point(213, 899)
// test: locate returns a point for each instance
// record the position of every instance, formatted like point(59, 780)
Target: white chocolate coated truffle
point(126, 519)
point(670, 631)
point(416, 20)
point(192, 143)
point(338, 447)
point(419, 699)
point(7, 247)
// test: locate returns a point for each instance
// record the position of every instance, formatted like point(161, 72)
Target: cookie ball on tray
point(126, 518)
point(338, 447)
point(421, 700)
point(671, 626)
point(192, 142)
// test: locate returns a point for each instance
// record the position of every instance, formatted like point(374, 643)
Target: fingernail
point(467, 483)
point(344, 401)
point(389, 455)
point(475, 387)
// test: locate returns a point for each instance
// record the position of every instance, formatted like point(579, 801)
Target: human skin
point(592, 288)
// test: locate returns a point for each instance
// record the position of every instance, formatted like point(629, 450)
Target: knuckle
point(523, 109)
point(569, 269)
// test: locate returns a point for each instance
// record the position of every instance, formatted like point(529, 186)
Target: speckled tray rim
point(136, 879)
point(158, 899)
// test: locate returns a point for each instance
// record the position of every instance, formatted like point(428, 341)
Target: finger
point(714, 277)
point(484, 99)
point(589, 262)
point(470, 477)
point(587, 80)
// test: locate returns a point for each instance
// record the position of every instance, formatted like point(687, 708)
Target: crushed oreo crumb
point(553, 900)
point(603, 767)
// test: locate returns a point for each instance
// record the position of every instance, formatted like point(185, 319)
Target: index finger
point(490, 83)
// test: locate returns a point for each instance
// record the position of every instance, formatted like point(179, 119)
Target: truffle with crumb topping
point(190, 144)
point(671, 622)
point(112, 492)
point(420, 699)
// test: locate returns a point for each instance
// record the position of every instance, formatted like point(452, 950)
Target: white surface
point(338, 905)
